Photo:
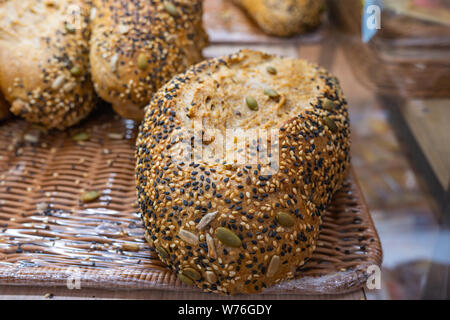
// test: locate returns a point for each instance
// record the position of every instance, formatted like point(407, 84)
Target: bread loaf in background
point(284, 17)
point(44, 67)
point(137, 46)
point(224, 226)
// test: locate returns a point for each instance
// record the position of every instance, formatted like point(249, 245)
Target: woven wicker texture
point(48, 236)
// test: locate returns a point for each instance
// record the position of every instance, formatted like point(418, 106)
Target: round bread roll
point(137, 46)
point(284, 17)
point(44, 66)
point(226, 224)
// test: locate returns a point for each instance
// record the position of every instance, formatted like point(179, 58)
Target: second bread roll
point(136, 46)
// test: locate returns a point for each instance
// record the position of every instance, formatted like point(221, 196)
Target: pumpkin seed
point(211, 277)
point(162, 252)
point(130, 247)
point(285, 219)
point(211, 246)
point(207, 218)
point(76, 71)
point(273, 266)
point(251, 103)
point(331, 124)
point(329, 105)
point(82, 136)
point(271, 93)
point(90, 196)
point(188, 237)
point(192, 274)
point(142, 61)
point(171, 9)
point(69, 28)
point(228, 237)
point(271, 70)
point(185, 279)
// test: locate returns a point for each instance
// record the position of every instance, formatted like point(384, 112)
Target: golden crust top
point(230, 228)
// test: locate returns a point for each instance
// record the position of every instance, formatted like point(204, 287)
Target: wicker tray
point(47, 236)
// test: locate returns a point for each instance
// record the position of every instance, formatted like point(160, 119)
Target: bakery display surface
point(49, 228)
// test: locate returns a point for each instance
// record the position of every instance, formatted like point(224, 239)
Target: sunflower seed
point(211, 246)
point(58, 82)
point(68, 87)
point(188, 236)
point(207, 218)
point(113, 63)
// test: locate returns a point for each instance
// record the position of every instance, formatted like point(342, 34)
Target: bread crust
point(175, 195)
point(44, 67)
point(284, 18)
point(138, 45)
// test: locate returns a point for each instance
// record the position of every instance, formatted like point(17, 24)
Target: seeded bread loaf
point(137, 46)
point(225, 225)
point(283, 17)
point(44, 67)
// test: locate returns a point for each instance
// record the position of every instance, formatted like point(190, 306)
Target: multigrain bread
point(283, 17)
point(138, 45)
point(44, 67)
point(223, 225)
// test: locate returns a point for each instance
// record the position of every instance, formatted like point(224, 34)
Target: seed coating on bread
point(138, 45)
point(44, 67)
point(284, 17)
point(239, 229)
